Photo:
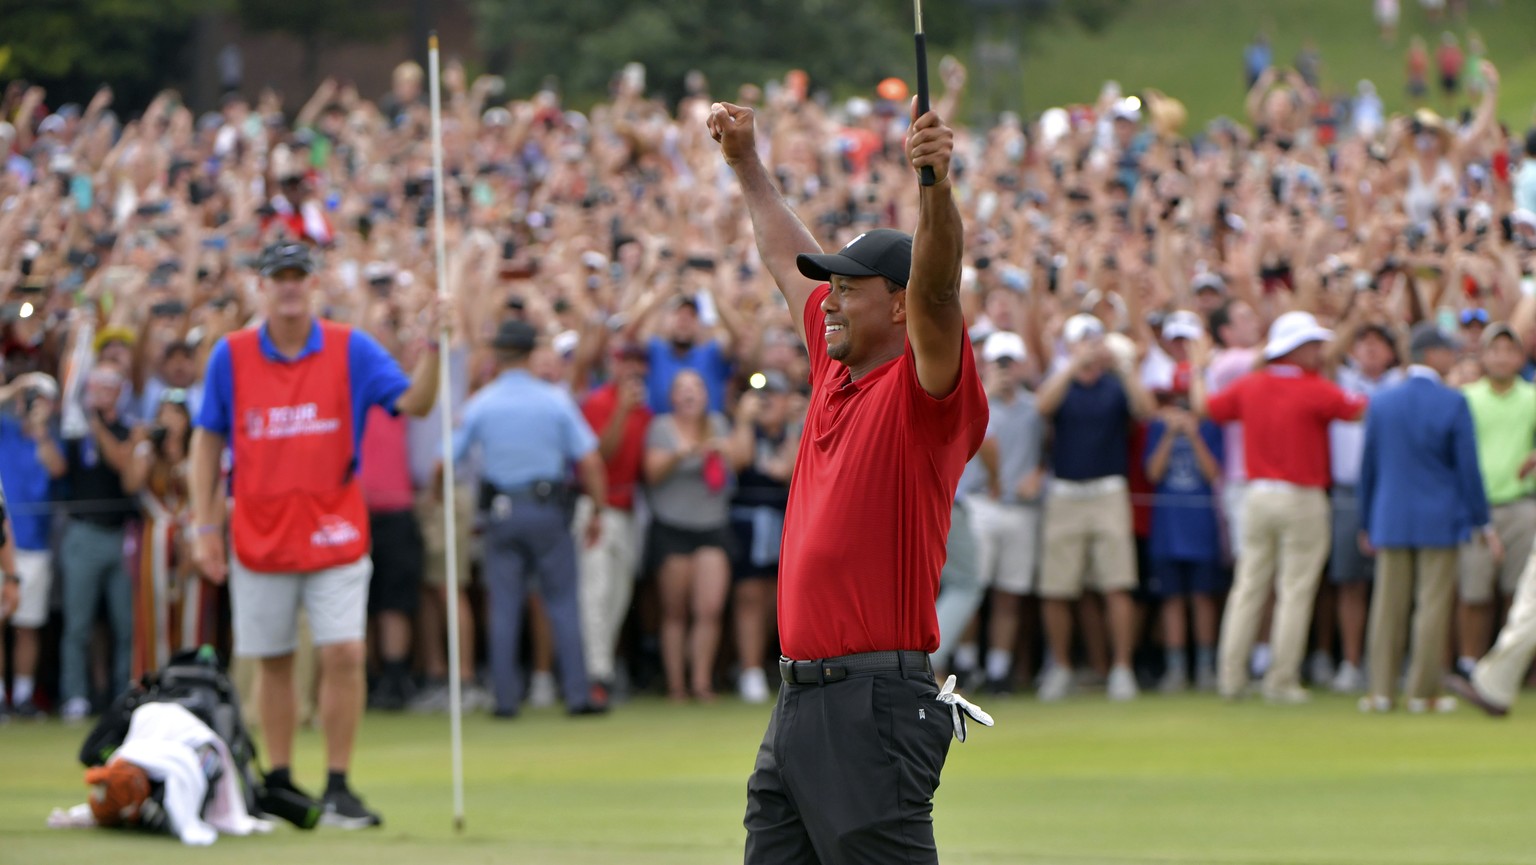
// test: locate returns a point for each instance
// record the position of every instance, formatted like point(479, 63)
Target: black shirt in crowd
point(95, 488)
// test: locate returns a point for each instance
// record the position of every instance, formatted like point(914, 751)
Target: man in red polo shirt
point(1285, 409)
point(858, 737)
point(618, 413)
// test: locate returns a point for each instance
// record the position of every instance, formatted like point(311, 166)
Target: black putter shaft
point(925, 175)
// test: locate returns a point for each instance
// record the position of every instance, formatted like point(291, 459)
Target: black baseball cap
point(881, 252)
point(1427, 337)
point(516, 335)
point(287, 256)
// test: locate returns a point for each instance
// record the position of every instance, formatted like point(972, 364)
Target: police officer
point(529, 433)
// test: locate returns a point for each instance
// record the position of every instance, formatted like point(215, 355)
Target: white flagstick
point(445, 409)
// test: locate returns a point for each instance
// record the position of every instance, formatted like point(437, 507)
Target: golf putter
point(925, 175)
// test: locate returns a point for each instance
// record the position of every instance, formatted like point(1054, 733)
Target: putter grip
point(925, 175)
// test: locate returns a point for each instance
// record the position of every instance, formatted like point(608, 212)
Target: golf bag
point(195, 679)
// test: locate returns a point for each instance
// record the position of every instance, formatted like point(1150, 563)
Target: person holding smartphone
point(91, 554)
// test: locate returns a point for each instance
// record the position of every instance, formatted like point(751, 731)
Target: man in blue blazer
point(1421, 495)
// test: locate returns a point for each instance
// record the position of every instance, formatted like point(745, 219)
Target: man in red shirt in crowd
point(1285, 409)
point(618, 413)
point(858, 737)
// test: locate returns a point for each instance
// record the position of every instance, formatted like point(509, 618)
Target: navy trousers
point(532, 541)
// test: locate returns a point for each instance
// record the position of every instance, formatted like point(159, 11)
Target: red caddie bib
point(298, 504)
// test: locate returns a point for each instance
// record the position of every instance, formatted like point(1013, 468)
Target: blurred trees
point(140, 46)
point(584, 42)
point(72, 46)
point(842, 45)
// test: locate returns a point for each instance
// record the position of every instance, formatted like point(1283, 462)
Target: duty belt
point(543, 492)
point(828, 670)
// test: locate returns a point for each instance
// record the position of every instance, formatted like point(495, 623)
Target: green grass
point(1164, 780)
point(1192, 50)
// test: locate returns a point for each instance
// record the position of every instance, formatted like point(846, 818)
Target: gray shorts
point(1346, 563)
point(265, 607)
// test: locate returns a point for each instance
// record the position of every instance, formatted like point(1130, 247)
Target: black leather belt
point(828, 670)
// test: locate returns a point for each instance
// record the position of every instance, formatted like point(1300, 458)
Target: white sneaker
point(75, 710)
point(1174, 681)
point(1258, 661)
point(753, 685)
point(473, 698)
point(1350, 679)
point(1122, 684)
point(1320, 668)
point(541, 691)
point(1205, 679)
point(1439, 705)
point(1291, 695)
point(1370, 704)
point(1055, 684)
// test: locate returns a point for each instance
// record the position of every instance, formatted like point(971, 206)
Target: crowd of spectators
point(1113, 255)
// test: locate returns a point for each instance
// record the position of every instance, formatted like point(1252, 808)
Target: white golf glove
point(959, 707)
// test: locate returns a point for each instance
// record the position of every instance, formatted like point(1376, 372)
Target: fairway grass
point(1161, 780)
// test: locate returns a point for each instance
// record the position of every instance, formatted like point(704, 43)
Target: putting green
point(1162, 780)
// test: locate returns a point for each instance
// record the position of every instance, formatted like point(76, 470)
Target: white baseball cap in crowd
point(565, 342)
point(1183, 324)
point(1128, 108)
point(1207, 280)
point(1003, 344)
point(1292, 331)
point(1081, 327)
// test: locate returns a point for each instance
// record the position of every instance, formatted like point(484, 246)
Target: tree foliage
point(842, 45)
point(583, 43)
point(73, 46)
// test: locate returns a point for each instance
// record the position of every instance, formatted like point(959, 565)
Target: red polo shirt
point(869, 505)
point(1285, 412)
point(624, 468)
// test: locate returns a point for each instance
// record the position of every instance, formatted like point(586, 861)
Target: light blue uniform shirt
point(527, 430)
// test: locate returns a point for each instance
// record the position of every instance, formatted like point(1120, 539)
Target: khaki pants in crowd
point(607, 583)
point(429, 515)
point(1481, 576)
point(1285, 542)
point(1499, 674)
point(1424, 579)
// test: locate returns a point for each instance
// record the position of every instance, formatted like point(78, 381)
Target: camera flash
point(758, 380)
point(26, 310)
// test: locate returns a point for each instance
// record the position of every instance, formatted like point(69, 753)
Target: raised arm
point(1487, 113)
point(935, 321)
point(781, 236)
point(418, 398)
